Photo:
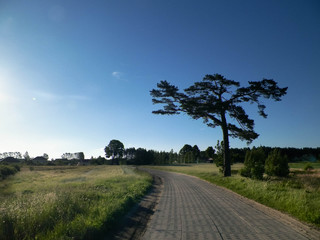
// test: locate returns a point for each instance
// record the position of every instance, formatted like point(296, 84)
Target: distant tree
point(196, 153)
point(186, 148)
point(68, 156)
point(203, 156)
point(79, 155)
point(277, 164)
point(184, 151)
point(188, 157)
point(238, 154)
point(130, 153)
point(210, 152)
point(73, 156)
point(26, 156)
point(16, 155)
point(173, 157)
point(97, 161)
point(142, 156)
point(115, 149)
point(215, 98)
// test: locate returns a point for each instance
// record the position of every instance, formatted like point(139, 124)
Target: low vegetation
point(67, 202)
point(254, 164)
point(6, 170)
point(276, 164)
point(302, 165)
point(298, 194)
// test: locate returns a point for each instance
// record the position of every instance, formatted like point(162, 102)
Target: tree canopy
point(213, 99)
point(189, 154)
point(210, 152)
point(76, 155)
point(185, 149)
point(115, 149)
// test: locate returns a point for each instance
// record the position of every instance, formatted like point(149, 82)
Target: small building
point(40, 160)
point(10, 160)
point(210, 160)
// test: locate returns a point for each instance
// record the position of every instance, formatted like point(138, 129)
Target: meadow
point(68, 202)
point(297, 195)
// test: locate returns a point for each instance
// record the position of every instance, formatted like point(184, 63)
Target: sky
point(76, 74)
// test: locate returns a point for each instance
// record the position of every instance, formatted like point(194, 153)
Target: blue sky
point(76, 74)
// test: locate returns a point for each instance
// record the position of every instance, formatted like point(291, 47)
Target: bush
point(308, 167)
point(277, 165)
point(6, 170)
point(254, 164)
point(17, 167)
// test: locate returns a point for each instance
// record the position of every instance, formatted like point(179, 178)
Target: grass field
point(298, 195)
point(315, 165)
point(67, 202)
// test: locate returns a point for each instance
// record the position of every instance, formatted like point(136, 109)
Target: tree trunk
point(226, 149)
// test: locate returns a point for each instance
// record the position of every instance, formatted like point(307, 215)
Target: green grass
point(315, 165)
point(298, 195)
point(67, 202)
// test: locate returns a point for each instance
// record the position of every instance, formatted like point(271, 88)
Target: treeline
point(293, 154)
point(142, 156)
point(189, 154)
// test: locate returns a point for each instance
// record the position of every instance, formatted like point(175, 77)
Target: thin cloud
point(48, 96)
point(117, 74)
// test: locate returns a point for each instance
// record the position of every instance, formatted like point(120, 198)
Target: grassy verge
point(67, 202)
point(298, 195)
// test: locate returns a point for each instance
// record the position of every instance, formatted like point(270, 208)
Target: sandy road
point(190, 208)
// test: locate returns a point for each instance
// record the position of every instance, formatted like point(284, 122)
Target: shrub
point(277, 165)
point(218, 157)
point(6, 170)
point(17, 167)
point(308, 167)
point(254, 164)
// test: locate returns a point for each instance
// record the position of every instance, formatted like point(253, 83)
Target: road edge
point(134, 223)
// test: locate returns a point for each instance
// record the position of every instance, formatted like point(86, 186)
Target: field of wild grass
point(298, 195)
point(65, 202)
point(301, 165)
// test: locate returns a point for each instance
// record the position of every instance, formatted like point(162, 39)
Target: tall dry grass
point(67, 202)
